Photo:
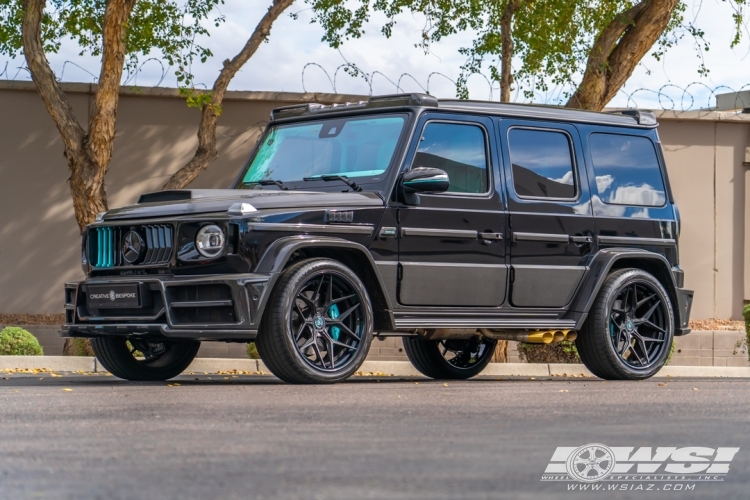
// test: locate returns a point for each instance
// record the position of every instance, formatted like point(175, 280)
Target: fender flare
point(274, 260)
point(599, 269)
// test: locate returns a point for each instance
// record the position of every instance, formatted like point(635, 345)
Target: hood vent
point(160, 196)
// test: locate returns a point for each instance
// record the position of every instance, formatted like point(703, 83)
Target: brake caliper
point(333, 313)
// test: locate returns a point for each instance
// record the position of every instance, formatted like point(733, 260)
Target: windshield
point(357, 148)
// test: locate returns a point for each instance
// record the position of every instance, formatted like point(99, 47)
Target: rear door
point(451, 247)
point(551, 224)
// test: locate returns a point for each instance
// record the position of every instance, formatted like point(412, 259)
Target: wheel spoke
point(316, 295)
point(311, 341)
point(331, 354)
point(344, 328)
point(651, 325)
point(330, 290)
point(307, 301)
point(340, 299)
point(299, 332)
point(345, 314)
point(317, 353)
point(643, 301)
point(648, 314)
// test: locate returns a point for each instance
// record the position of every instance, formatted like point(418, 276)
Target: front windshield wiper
point(270, 182)
point(335, 177)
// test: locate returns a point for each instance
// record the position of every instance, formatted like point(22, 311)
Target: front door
point(451, 247)
point(551, 224)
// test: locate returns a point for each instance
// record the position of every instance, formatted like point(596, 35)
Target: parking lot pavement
point(221, 436)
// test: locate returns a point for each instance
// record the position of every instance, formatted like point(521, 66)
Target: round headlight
point(210, 241)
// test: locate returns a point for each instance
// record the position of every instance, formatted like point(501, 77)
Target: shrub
point(77, 347)
point(15, 341)
point(557, 352)
point(252, 351)
point(745, 342)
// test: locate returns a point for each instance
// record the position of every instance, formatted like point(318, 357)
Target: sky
point(295, 60)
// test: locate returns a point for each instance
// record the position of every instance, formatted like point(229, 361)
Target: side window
point(460, 150)
point(627, 170)
point(542, 163)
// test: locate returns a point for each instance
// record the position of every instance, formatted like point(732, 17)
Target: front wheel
point(630, 328)
point(456, 359)
point(138, 359)
point(318, 325)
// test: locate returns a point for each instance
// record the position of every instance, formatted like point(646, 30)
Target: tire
point(317, 327)
point(429, 356)
point(162, 360)
point(619, 318)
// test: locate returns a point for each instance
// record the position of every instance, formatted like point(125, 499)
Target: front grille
point(105, 247)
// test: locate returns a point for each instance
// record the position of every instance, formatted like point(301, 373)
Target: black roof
point(624, 117)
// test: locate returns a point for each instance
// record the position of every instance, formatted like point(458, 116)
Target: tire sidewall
point(628, 278)
point(300, 276)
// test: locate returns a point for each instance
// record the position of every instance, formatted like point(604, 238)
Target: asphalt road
point(253, 437)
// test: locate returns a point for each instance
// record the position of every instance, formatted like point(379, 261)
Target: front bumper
point(226, 307)
point(684, 304)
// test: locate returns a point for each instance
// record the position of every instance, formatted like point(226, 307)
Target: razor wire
point(695, 96)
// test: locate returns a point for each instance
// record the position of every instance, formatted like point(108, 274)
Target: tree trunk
point(617, 51)
point(506, 49)
point(87, 154)
point(501, 352)
point(206, 151)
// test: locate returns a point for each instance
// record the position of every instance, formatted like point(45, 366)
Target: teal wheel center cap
point(319, 322)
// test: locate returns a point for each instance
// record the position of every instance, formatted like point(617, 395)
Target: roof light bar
point(374, 102)
point(642, 116)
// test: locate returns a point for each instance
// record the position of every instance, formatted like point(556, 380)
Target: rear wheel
point(144, 359)
point(630, 328)
point(318, 325)
point(449, 358)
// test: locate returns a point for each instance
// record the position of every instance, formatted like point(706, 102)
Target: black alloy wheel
point(450, 358)
point(318, 325)
point(630, 328)
point(140, 359)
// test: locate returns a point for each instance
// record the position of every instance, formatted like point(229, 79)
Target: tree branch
point(54, 98)
point(506, 50)
point(101, 135)
point(206, 151)
point(617, 51)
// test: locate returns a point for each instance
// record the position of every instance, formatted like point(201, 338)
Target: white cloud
point(566, 179)
point(603, 182)
point(643, 195)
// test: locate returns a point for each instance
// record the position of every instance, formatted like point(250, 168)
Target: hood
point(202, 201)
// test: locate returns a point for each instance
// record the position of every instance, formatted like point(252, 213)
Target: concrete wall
point(39, 239)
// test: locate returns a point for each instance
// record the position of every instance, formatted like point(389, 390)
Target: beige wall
point(39, 240)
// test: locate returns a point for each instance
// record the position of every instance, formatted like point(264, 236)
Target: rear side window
point(542, 163)
point(627, 170)
point(458, 149)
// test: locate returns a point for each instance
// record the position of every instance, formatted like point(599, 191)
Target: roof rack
point(374, 102)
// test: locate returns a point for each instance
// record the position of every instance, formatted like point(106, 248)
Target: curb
point(368, 368)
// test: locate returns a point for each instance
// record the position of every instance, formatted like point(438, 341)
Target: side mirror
point(423, 180)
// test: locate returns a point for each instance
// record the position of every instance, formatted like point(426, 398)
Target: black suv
point(449, 223)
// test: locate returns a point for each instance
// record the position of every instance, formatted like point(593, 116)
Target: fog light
point(210, 241)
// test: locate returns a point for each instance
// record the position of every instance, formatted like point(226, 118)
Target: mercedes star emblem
point(132, 247)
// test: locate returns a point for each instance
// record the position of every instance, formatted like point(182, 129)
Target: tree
point(210, 102)
point(120, 32)
point(591, 46)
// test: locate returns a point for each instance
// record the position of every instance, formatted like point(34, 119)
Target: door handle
point(582, 239)
point(491, 236)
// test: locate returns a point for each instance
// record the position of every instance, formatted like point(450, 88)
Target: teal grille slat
point(104, 245)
